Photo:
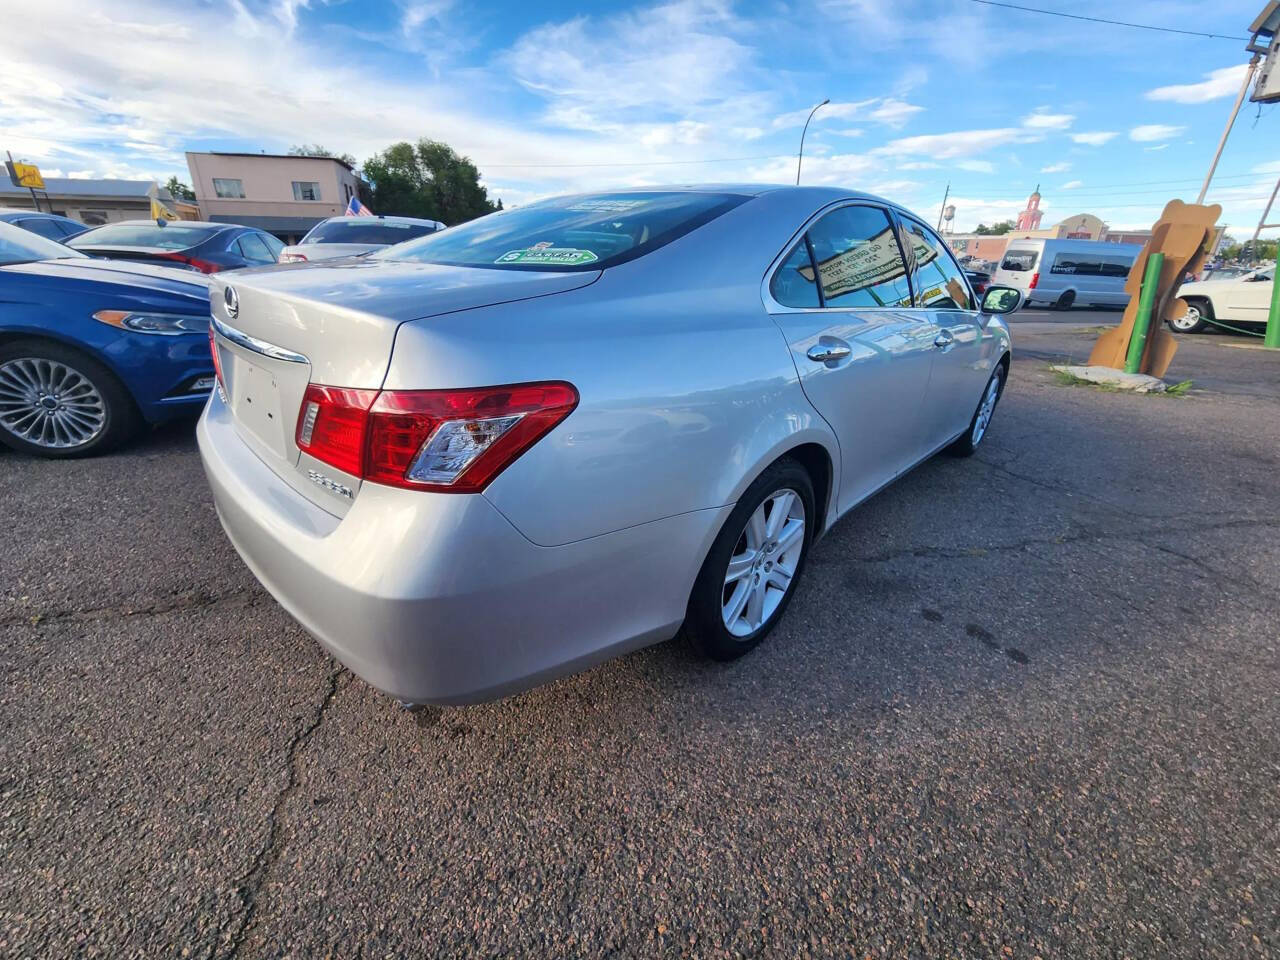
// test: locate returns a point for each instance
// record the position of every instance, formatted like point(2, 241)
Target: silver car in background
point(513, 449)
point(348, 236)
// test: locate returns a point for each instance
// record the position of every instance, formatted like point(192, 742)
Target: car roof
point(13, 212)
point(176, 223)
point(377, 219)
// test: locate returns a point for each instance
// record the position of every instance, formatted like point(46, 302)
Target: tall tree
point(179, 190)
point(316, 150)
point(995, 230)
point(429, 180)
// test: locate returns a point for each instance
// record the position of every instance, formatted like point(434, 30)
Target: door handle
point(945, 340)
point(828, 351)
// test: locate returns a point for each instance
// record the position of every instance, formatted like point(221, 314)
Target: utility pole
point(800, 156)
point(1262, 225)
point(942, 209)
point(1231, 122)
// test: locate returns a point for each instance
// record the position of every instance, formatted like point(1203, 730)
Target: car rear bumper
point(437, 598)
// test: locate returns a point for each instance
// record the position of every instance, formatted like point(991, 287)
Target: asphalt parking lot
point(1023, 705)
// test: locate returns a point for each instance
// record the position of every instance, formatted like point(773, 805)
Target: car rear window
point(365, 231)
point(144, 235)
point(1019, 261)
point(22, 246)
point(584, 232)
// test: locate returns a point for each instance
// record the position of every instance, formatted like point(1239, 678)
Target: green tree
point(429, 180)
point(316, 150)
point(995, 230)
point(179, 190)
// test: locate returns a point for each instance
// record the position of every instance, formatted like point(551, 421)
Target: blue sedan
point(91, 351)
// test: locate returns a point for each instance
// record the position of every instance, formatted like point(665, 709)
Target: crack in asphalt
point(250, 883)
point(123, 611)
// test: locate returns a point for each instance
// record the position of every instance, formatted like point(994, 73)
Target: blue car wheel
point(57, 402)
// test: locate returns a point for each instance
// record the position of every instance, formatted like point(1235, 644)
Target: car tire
point(1065, 301)
point(723, 622)
point(85, 411)
point(1194, 321)
point(967, 443)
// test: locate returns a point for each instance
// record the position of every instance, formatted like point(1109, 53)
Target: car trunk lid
point(282, 328)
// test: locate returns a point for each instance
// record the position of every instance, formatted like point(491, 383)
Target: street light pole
point(800, 155)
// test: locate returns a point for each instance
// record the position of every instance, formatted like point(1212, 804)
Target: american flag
point(357, 209)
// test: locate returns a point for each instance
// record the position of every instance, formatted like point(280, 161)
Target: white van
point(1061, 273)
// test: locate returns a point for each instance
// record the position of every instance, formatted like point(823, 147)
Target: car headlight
point(165, 324)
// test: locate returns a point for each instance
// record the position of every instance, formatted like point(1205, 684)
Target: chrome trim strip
point(242, 339)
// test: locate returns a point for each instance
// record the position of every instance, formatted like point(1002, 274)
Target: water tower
point(948, 214)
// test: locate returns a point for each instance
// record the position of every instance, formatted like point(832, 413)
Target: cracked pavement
point(1023, 705)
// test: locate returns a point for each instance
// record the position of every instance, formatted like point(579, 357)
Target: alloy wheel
point(986, 410)
point(764, 562)
point(50, 404)
point(1188, 321)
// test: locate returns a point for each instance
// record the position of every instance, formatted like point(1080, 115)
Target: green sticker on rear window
point(550, 256)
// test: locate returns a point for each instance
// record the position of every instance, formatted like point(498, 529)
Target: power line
point(1114, 23)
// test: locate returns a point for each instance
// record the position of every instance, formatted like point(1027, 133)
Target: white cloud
point(894, 113)
point(1073, 184)
point(1162, 146)
point(1040, 119)
point(976, 166)
point(1224, 82)
point(1061, 167)
point(850, 132)
point(961, 143)
point(1148, 132)
point(918, 165)
point(1095, 138)
point(890, 111)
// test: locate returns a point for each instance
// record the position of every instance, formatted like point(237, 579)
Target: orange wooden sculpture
point(1183, 234)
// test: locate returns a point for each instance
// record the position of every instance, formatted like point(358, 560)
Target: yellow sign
point(161, 212)
point(27, 175)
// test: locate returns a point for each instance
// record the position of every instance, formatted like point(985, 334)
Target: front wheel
point(751, 572)
point(967, 444)
point(1193, 321)
point(56, 402)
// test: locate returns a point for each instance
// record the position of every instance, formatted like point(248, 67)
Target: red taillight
point(292, 258)
point(1035, 278)
point(332, 425)
point(204, 266)
point(452, 441)
point(217, 362)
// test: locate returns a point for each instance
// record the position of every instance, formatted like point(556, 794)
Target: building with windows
point(92, 202)
point(281, 194)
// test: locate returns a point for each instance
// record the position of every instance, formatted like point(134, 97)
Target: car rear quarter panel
point(688, 390)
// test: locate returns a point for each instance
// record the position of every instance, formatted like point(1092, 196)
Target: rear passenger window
point(859, 261)
point(940, 284)
point(792, 284)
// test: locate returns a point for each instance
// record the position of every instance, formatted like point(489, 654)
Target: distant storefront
point(92, 202)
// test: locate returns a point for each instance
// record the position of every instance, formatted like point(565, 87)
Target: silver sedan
point(510, 450)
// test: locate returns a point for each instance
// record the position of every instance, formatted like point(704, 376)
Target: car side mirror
point(1001, 300)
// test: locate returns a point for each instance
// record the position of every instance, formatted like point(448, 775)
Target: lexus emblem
point(232, 300)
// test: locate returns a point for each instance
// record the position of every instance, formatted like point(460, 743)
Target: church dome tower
point(1029, 219)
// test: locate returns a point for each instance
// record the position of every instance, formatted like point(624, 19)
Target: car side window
point(274, 245)
point(859, 261)
point(792, 284)
point(254, 250)
point(44, 228)
point(940, 283)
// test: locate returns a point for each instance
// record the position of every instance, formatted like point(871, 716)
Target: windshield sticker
point(544, 253)
point(605, 206)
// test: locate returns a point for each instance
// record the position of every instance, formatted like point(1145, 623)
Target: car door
point(842, 297)
point(254, 250)
point(1248, 300)
point(948, 306)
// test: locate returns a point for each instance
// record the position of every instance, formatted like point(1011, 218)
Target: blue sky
point(552, 96)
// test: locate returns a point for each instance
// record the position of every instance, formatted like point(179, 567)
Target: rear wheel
point(752, 569)
point(966, 445)
point(1066, 300)
point(1193, 321)
point(56, 402)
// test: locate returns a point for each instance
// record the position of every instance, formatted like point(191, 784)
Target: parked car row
point(106, 330)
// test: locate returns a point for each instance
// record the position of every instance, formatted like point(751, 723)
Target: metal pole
point(1142, 322)
point(1253, 241)
point(800, 155)
point(943, 208)
point(1272, 339)
point(1244, 88)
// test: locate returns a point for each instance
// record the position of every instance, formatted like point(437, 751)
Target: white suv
point(1245, 299)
